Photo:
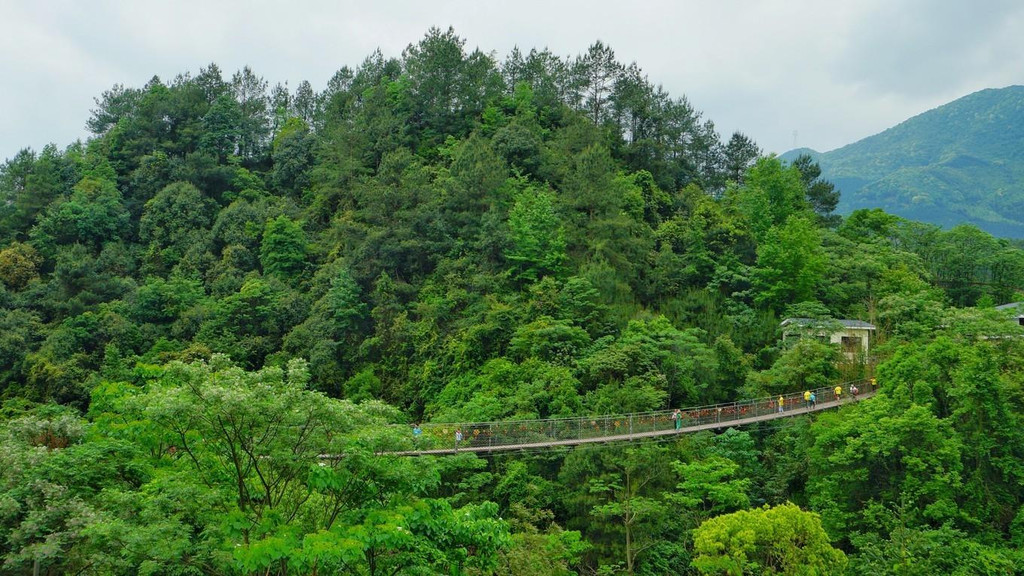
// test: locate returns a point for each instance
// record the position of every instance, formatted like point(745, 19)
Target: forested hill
point(959, 163)
point(230, 279)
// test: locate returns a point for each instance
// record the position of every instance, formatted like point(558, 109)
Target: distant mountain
point(962, 162)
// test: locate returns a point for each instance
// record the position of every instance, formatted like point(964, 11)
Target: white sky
point(833, 71)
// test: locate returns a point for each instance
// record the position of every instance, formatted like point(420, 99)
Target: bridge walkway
point(438, 439)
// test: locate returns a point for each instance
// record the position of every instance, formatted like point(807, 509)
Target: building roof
point(1011, 306)
point(855, 324)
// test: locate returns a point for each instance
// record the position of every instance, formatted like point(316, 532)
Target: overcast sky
point(832, 72)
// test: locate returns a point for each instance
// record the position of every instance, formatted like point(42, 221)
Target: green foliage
point(805, 365)
point(874, 453)
point(172, 222)
point(790, 264)
point(19, 265)
point(771, 194)
point(536, 235)
point(469, 238)
point(283, 248)
point(771, 540)
point(93, 214)
point(505, 390)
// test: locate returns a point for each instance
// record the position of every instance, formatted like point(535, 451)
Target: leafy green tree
point(20, 333)
point(29, 182)
point(790, 263)
point(674, 361)
point(771, 540)
point(177, 218)
point(446, 88)
point(740, 154)
point(330, 335)
point(222, 127)
point(805, 365)
point(283, 248)
point(821, 194)
point(594, 76)
point(537, 238)
point(556, 341)
point(160, 301)
point(256, 438)
point(942, 551)
point(620, 490)
point(292, 153)
point(248, 324)
point(503, 390)
point(94, 214)
point(53, 484)
point(551, 553)
point(877, 453)
point(253, 105)
point(770, 194)
point(709, 488)
point(19, 265)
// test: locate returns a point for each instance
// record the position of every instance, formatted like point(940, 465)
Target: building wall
point(859, 333)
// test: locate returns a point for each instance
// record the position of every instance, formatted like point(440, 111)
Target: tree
point(740, 154)
point(329, 337)
point(29, 183)
point(536, 235)
point(805, 365)
point(94, 214)
point(653, 351)
point(884, 452)
point(790, 263)
point(595, 74)
point(283, 248)
point(250, 93)
point(254, 448)
point(770, 194)
point(19, 265)
point(445, 87)
point(821, 194)
point(117, 103)
point(621, 491)
point(292, 155)
point(771, 540)
point(222, 128)
point(174, 221)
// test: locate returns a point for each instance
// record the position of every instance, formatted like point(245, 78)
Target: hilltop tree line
point(228, 280)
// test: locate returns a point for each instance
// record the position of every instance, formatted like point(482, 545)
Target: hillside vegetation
point(228, 281)
point(959, 163)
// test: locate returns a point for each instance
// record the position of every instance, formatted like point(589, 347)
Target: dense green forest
point(228, 280)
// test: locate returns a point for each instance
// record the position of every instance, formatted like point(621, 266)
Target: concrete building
point(1016, 308)
point(853, 336)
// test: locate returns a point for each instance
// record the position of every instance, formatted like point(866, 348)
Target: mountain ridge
point(962, 162)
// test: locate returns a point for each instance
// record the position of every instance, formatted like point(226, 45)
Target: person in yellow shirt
point(782, 402)
point(807, 398)
point(839, 392)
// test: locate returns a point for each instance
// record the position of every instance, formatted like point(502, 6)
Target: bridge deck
point(469, 446)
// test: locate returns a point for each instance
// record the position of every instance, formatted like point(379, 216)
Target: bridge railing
point(442, 435)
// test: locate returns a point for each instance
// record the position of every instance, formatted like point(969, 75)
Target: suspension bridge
point(481, 437)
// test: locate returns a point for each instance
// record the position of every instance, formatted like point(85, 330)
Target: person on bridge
point(458, 437)
point(782, 402)
point(854, 391)
point(677, 417)
point(839, 392)
point(416, 433)
point(814, 400)
point(807, 398)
